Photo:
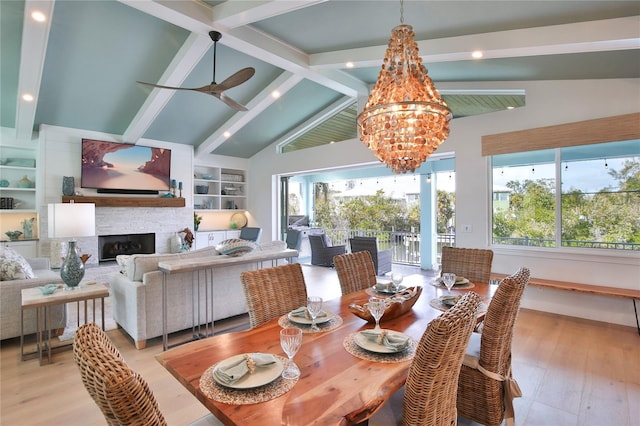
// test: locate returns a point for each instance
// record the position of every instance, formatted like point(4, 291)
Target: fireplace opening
point(111, 246)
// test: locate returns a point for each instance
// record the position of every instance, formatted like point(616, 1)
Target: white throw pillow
point(14, 267)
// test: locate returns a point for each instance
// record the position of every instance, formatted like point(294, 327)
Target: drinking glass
point(449, 280)
point(314, 304)
point(397, 278)
point(376, 307)
point(290, 340)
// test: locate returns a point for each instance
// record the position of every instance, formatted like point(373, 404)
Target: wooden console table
point(127, 201)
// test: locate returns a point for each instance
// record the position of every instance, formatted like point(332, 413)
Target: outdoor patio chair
point(381, 258)
point(486, 387)
point(322, 253)
point(294, 241)
point(271, 292)
point(355, 271)
point(472, 264)
point(250, 234)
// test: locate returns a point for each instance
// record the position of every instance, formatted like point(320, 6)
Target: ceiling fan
point(214, 88)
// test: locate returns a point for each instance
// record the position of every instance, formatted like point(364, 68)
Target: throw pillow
point(11, 269)
point(235, 247)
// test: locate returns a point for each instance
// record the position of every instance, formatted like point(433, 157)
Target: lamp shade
point(71, 220)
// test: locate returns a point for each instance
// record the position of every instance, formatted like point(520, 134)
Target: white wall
point(547, 103)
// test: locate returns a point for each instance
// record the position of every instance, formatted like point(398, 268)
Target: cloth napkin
point(303, 313)
point(234, 372)
point(388, 340)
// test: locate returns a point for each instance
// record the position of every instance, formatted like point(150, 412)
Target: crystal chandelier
point(405, 119)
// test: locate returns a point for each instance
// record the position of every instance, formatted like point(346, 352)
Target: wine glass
point(376, 307)
point(290, 340)
point(314, 304)
point(397, 278)
point(449, 280)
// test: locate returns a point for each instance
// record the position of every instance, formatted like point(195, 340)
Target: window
point(598, 205)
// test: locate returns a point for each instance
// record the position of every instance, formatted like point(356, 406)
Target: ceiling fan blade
point(162, 87)
point(209, 89)
point(235, 79)
point(230, 102)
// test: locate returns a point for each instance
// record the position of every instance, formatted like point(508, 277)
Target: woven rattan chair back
point(473, 264)
point(355, 271)
point(430, 392)
point(272, 292)
point(481, 398)
point(122, 395)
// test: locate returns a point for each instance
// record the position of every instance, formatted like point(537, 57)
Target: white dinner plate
point(459, 281)
point(260, 377)
point(371, 346)
point(305, 321)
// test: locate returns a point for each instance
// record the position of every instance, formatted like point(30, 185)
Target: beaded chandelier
point(405, 119)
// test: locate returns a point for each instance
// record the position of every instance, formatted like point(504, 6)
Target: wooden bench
point(599, 290)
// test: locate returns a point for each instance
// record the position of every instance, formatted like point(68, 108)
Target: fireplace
point(109, 246)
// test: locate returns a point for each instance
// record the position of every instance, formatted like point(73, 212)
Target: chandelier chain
point(402, 11)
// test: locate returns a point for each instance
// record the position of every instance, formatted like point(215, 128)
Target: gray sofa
point(11, 301)
point(136, 292)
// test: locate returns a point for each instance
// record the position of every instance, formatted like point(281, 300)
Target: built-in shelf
point(127, 201)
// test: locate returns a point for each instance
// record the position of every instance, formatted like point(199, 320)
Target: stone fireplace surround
point(163, 221)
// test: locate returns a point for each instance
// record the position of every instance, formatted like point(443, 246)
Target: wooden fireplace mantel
point(127, 201)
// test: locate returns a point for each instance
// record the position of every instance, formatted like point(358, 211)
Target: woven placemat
point(333, 323)
point(465, 286)
point(437, 304)
point(270, 391)
point(355, 350)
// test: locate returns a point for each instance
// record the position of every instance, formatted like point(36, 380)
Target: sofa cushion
point(13, 266)
point(139, 264)
point(235, 247)
point(14, 270)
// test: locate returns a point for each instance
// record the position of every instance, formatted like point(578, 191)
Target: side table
point(32, 298)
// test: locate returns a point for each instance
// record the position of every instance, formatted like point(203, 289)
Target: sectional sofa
point(136, 290)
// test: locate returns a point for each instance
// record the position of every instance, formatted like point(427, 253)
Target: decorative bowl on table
point(13, 235)
point(397, 305)
point(48, 289)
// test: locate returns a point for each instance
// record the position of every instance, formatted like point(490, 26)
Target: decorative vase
point(68, 185)
point(175, 243)
point(25, 182)
point(27, 228)
point(72, 269)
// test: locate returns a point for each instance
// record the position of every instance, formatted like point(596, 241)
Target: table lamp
point(70, 220)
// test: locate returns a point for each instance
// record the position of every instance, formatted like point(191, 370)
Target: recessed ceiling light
point(27, 97)
point(349, 64)
point(510, 107)
point(275, 94)
point(477, 54)
point(227, 134)
point(38, 16)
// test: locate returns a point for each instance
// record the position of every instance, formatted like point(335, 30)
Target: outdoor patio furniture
point(472, 264)
point(322, 253)
point(381, 258)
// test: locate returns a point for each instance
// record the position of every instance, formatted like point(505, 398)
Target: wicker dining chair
point(486, 387)
point(271, 292)
point(473, 264)
point(355, 271)
point(122, 395)
point(430, 390)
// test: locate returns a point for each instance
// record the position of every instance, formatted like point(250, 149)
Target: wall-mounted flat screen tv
point(125, 168)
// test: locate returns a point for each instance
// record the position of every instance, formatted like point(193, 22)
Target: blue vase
point(72, 269)
point(68, 185)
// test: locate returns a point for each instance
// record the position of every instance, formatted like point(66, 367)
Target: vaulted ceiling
point(82, 63)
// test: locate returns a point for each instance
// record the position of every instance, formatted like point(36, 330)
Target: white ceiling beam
point(35, 37)
point(189, 55)
point(593, 36)
point(233, 14)
point(285, 82)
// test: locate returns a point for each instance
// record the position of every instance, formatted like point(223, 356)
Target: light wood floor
point(571, 372)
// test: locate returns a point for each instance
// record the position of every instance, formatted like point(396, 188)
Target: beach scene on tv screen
point(109, 165)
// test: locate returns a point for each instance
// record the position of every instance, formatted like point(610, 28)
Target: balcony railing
point(406, 245)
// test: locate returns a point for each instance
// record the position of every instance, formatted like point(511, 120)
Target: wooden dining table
point(334, 388)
